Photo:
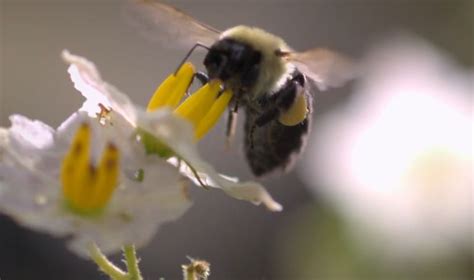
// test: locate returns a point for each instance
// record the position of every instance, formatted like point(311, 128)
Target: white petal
point(27, 142)
point(177, 133)
point(251, 191)
point(31, 198)
point(87, 80)
point(30, 134)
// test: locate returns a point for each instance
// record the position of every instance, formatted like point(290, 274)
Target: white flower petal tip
point(249, 191)
point(85, 76)
point(85, 65)
point(87, 80)
point(252, 192)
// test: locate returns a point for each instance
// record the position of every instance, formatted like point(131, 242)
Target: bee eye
point(216, 65)
point(212, 62)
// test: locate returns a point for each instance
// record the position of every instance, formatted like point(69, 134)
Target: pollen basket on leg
point(87, 188)
point(296, 113)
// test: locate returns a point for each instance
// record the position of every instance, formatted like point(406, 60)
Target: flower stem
point(132, 263)
point(105, 265)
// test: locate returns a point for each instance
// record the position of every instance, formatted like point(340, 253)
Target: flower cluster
point(113, 171)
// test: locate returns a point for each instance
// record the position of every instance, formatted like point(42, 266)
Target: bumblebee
point(268, 78)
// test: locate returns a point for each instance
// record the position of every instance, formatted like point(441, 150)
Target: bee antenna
point(189, 54)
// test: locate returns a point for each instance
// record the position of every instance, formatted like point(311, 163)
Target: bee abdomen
point(274, 145)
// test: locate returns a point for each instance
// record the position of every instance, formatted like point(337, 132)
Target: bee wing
point(164, 23)
point(325, 67)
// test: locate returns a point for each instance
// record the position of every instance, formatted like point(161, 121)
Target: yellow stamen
point(213, 115)
point(195, 107)
point(172, 90)
point(76, 163)
point(203, 108)
point(107, 177)
point(85, 185)
point(87, 189)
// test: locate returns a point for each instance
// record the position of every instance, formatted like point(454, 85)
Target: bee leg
point(252, 130)
point(201, 77)
point(231, 124)
point(188, 54)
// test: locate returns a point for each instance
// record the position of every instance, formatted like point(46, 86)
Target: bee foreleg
point(188, 54)
point(231, 125)
point(252, 130)
point(201, 76)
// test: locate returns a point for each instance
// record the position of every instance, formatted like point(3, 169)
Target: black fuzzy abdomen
point(274, 145)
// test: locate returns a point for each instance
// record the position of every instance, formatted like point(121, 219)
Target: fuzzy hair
point(273, 68)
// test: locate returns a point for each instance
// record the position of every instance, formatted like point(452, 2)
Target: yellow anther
point(172, 90)
point(87, 189)
point(75, 163)
point(203, 108)
point(107, 177)
point(213, 115)
point(195, 107)
point(84, 186)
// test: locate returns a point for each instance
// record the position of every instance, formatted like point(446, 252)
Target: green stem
point(132, 263)
point(105, 265)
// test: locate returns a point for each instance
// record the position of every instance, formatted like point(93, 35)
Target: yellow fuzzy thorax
point(273, 68)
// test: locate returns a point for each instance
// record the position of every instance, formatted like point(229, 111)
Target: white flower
point(109, 173)
point(170, 129)
point(79, 182)
point(397, 160)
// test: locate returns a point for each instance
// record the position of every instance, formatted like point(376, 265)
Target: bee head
point(216, 63)
point(233, 62)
